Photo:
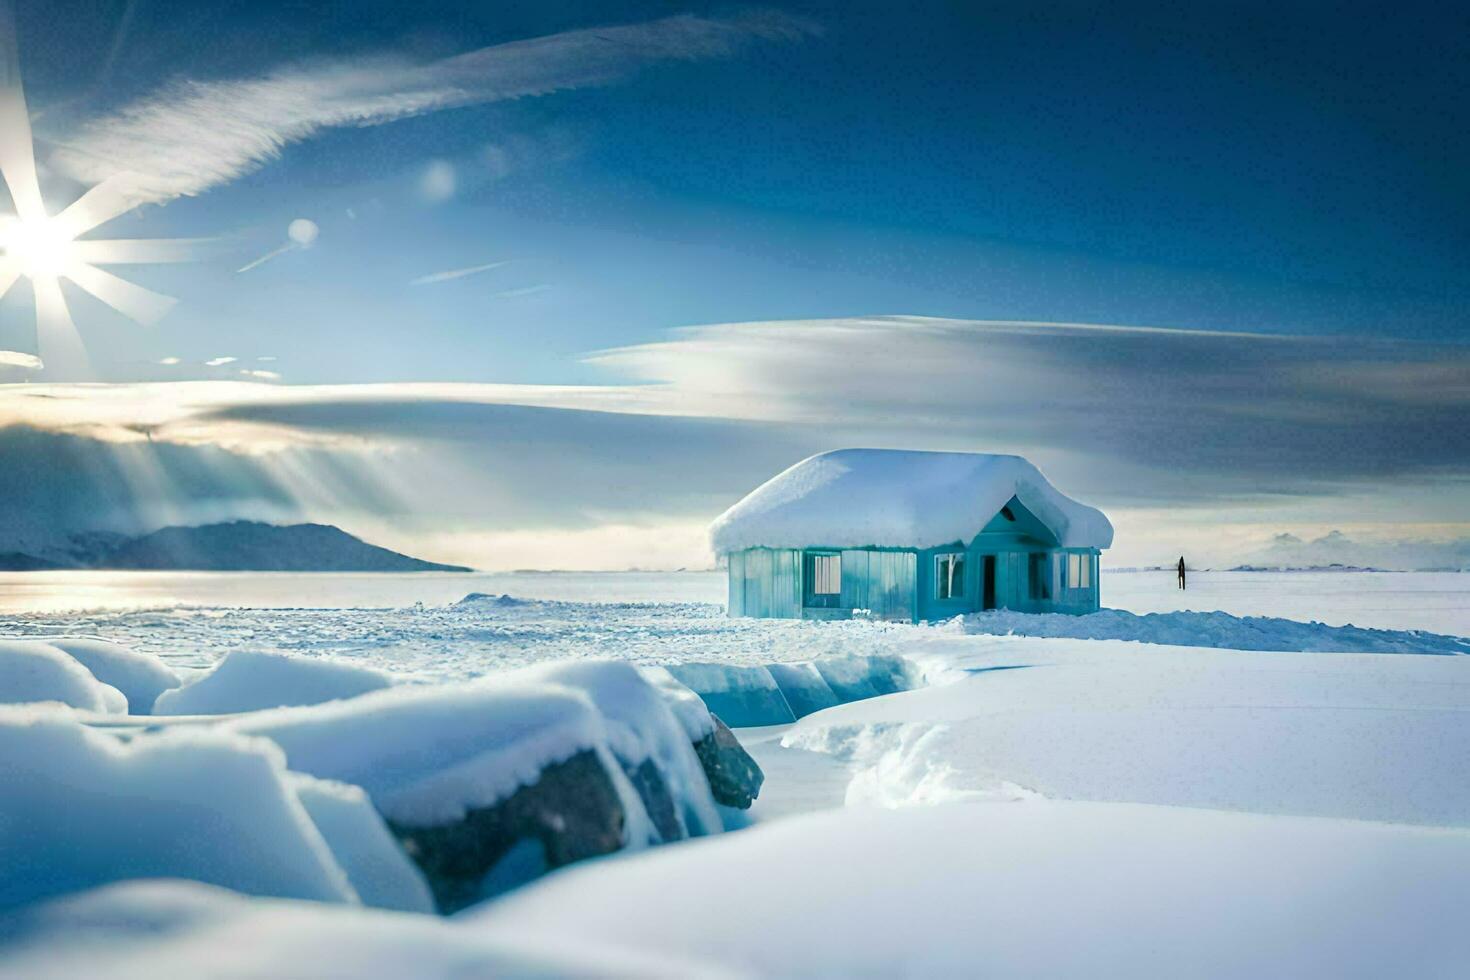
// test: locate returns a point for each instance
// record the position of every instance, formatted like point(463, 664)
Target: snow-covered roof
point(894, 498)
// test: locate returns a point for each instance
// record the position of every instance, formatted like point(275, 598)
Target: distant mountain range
point(1334, 567)
point(234, 546)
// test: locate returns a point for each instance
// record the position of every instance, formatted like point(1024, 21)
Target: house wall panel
point(891, 584)
point(735, 574)
point(855, 566)
point(900, 585)
point(786, 584)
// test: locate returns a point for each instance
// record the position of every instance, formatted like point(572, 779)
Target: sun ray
point(138, 251)
point(17, 151)
point(9, 273)
point(97, 206)
point(17, 163)
point(131, 300)
point(56, 334)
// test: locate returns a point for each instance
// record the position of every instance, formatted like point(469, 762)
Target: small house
point(909, 536)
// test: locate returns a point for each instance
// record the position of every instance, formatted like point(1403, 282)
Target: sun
point(47, 249)
point(39, 249)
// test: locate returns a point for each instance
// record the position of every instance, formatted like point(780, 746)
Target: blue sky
point(1289, 170)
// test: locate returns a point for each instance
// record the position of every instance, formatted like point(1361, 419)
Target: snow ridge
point(1213, 629)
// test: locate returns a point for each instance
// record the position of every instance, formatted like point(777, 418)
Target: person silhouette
point(1181, 571)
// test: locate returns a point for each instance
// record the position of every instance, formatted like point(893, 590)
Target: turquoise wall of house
point(765, 583)
point(902, 584)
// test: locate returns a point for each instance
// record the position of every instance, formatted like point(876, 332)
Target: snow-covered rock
point(734, 777)
point(578, 808)
point(688, 707)
point(856, 498)
point(507, 771)
point(32, 670)
point(454, 792)
point(141, 677)
point(247, 680)
point(654, 747)
point(429, 755)
point(147, 930)
point(81, 808)
point(1038, 889)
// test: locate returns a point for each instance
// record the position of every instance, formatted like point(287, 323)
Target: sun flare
point(46, 249)
point(39, 249)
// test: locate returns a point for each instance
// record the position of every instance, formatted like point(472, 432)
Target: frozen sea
point(416, 624)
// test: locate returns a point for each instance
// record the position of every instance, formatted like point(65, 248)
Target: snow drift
point(1044, 889)
point(248, 680)
point(381, 874)
point(1342, 735)
point(1214, 629)
point(158, 929)
point(743, 696)
point(82, 808)
point(755, 695)
point(32, 670)
point(141, 677)
point(856, 498)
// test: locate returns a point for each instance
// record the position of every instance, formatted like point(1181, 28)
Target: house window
point(949, 576)
point(1079, 571)
point(826, 574)
point(1039, 579)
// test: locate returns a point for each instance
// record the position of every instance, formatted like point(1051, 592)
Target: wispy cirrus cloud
point(196, 135)
point(1166, 410)
point(519, 291)
point(1165, 413)
point(450, 274)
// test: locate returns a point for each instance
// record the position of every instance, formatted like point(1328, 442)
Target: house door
point(987, 583)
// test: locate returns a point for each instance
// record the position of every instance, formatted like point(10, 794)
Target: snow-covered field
point(1154, 792)
point(1437, 601)
point(1041, 889)
point(417, 625)
point(43, 592)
